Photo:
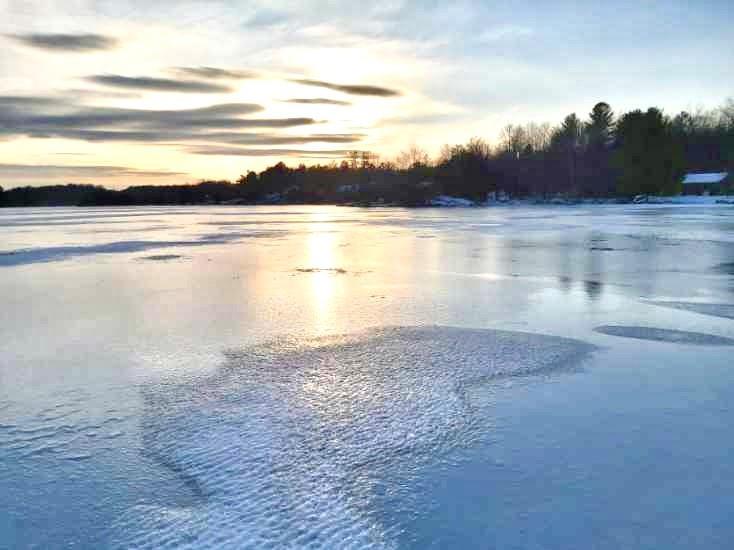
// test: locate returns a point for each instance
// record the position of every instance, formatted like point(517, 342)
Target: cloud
point(20, 102)
point(214, 73)
point(66, 42)
point(317, 101)
point(158, 84)
point(143, 136)
point(242, 152)
point(44, 117)
point(255, 122)
point(153, 136)
point(34, 171)
point(79, 93)
point(232, 138)
point(270, 139)
point(354, 89)
point(428, 118)
point(30, 113)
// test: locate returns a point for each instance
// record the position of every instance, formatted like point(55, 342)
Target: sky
point(136, 92)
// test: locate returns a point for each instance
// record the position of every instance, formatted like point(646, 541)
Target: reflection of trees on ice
point(288, 443)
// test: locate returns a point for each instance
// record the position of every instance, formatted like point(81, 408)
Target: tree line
point(639, 152)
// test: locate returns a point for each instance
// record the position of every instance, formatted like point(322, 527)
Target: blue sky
point(128, 91)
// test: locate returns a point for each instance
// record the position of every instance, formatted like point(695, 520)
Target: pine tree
point(649, 157)
point(600, 127)
point(570, 135)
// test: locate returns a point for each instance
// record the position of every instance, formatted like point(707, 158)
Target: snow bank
point(689, 199)
point(446, 200)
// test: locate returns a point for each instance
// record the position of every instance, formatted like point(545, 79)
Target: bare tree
point(515, 139)
point(354, 157)
point(538, 136)
point(727, 113)
point(507, 137)
point(445, 154)
point(479, 148)
point(413, 157)
point(368, 160)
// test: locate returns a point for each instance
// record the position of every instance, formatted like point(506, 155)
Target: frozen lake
point(324, 377)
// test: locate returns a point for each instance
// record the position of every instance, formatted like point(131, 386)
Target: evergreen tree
point(249, 179)
point(566, 142)
point(569, 136)
point(600, 127)
point(650, 159)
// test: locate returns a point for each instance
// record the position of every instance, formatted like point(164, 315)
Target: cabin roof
point(707, 177)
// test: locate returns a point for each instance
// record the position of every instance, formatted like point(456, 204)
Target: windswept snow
point(289, 442)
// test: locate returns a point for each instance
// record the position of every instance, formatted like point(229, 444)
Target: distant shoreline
point(441, 202)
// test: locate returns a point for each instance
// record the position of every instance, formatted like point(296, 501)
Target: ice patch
point(715, 310)
point(335, 270)
point(288, 443)
point(331, 270)
point(162, 257)
point(665, 335)
point(727, 268)
point(57, 253)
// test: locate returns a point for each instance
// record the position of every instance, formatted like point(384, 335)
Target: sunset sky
point(132, 92)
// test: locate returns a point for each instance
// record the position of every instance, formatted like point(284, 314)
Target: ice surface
point(56, 253)
point(286, 443)
point(120, 423)
point(665, 335)
point(58, 430)
point(715, 310)
point(162, 257)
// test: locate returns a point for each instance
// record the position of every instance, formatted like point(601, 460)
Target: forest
point(601, 156)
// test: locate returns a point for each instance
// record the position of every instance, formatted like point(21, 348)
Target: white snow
point(708, 177)
point(447, 200)
point(689, 199)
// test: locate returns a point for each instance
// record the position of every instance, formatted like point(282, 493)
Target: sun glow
point(324, 269)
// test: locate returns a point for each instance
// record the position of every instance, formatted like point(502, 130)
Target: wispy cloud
point(270, 139)
point(51, 171)
point(66, 42)
point(243, 152)
point(215, 73)
point(317, 101)
point(55, 117)
point(158, 84)
point(354, 89)
point(81, 93)
point(427, 118)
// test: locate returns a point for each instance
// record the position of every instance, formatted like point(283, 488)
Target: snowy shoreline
point(460, 202)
